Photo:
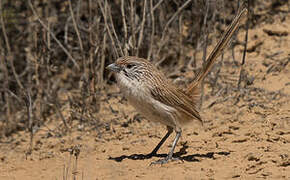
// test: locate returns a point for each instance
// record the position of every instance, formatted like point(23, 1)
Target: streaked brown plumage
point(154, 96)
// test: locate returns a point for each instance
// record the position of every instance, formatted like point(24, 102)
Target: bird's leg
point(170, 154)
point(169, 131)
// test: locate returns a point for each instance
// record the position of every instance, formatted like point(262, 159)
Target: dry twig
point(53, 36)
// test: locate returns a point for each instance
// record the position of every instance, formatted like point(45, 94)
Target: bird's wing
point(176, 98)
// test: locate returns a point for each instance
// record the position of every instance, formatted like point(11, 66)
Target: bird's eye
point(129, 66)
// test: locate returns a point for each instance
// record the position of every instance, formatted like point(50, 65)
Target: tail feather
point(222, 44)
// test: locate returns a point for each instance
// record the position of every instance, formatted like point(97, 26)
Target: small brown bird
point(155, 97)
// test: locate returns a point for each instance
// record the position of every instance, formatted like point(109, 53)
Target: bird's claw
point(165, 160)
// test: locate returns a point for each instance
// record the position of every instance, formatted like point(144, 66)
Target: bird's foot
point(165, 160)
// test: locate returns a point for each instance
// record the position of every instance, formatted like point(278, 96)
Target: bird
point(156, 98)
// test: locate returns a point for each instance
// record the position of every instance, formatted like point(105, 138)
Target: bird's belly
point(153, 110)
point(140, 98)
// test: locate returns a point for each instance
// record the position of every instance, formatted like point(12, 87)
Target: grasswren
point(155, 97)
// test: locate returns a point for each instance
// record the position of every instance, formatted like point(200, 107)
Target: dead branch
point(245, 49)
point(75, 26)
point(104, 10)
point(124, 26)
point(168, 23)
point(142, 27)
point(10, 57)
point(53, 36)
point(152, 29)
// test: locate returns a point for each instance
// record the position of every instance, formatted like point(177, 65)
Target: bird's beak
point(113, 67)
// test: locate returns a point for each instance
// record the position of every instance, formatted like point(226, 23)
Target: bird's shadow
point(179, 154)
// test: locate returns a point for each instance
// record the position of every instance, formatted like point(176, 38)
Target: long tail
point(222, 44)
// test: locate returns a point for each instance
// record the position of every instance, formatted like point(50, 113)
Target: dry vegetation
point(53, 55)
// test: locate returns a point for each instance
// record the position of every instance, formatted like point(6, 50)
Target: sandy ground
point(246, 133)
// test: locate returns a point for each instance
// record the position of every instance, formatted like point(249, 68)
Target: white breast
point(140, 98)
